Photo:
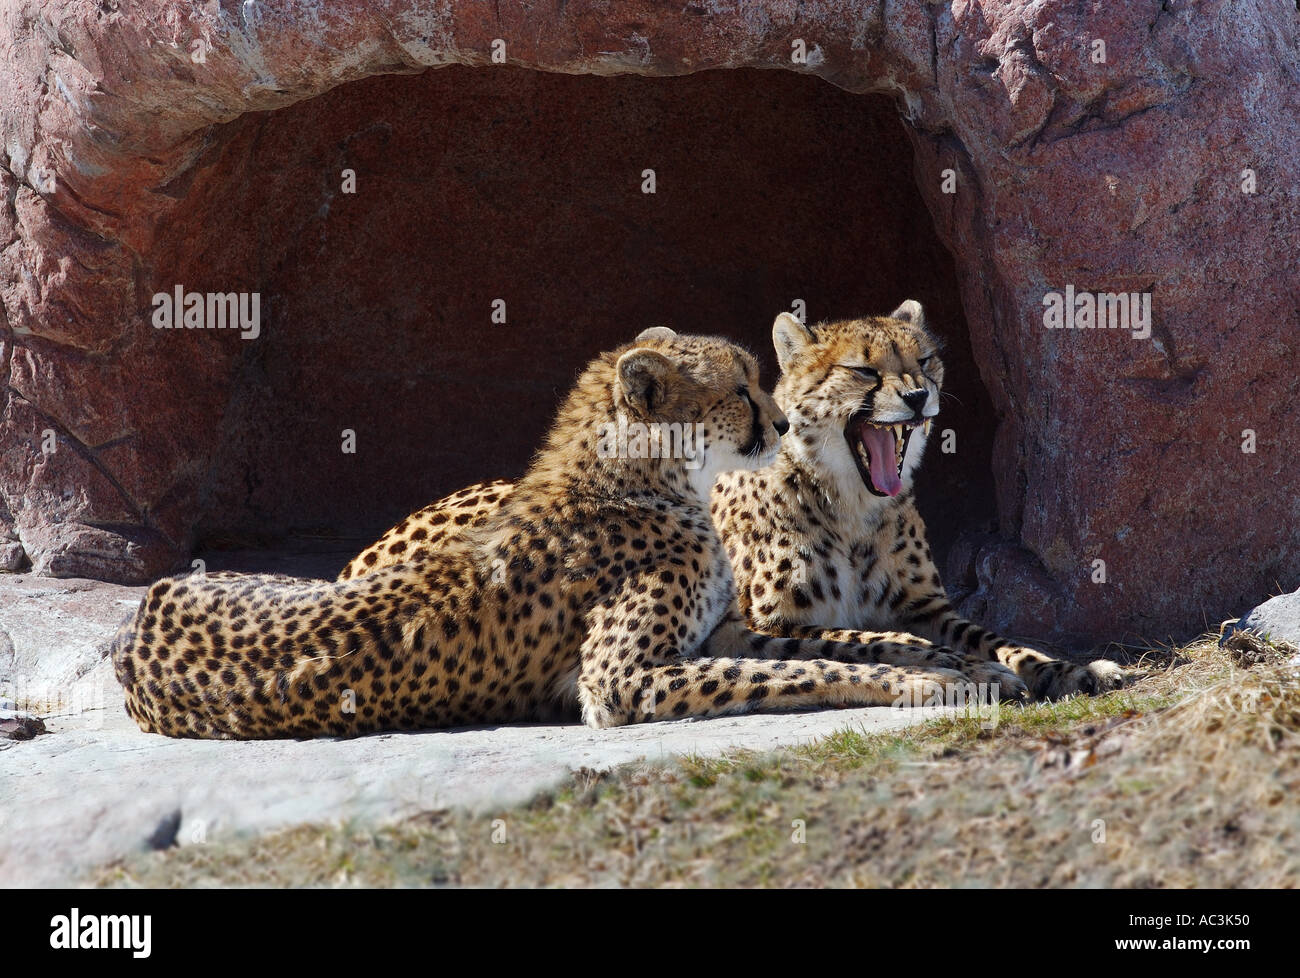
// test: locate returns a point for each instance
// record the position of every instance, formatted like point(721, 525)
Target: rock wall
point(1149, 148)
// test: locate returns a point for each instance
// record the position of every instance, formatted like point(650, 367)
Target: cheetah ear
point(643, 377)
point(656, 333)
point(910, 312)
point(789, 336)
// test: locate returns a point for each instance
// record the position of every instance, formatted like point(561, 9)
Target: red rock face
point(143, 151)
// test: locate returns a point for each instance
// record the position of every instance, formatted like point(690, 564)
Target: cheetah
point(598, 584)
point(829, 537)
point(827, 543)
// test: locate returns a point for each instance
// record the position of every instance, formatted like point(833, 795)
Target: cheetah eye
point(743, 392)
point(924, 360)
point(865, 372)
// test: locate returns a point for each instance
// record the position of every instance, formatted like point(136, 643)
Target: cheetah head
point(861, 395)
point(709, 387)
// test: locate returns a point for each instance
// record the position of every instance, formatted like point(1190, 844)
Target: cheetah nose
point(916, 399)
point(781, 425)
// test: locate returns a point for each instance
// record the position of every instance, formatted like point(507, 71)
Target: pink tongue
point(879, 443)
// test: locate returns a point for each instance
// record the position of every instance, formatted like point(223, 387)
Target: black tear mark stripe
point(755, 433)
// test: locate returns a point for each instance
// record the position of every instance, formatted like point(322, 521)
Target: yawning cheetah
point(828, 537)
point(599, 580)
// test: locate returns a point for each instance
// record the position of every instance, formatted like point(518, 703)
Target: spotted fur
point(597, 582)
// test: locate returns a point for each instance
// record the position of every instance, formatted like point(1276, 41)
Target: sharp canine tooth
point(927, 427)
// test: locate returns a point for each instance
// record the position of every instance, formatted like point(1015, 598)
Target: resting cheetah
point(599, 580)
point(826, 543)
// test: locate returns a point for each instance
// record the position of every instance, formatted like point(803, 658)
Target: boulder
point(1277, 619)
point(1143, 476)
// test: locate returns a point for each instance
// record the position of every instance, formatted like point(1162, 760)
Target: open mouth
point(878, 451)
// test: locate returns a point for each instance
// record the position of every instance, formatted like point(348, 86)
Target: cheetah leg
point(716, 687)
point(904, 649)
point(1046, 677)
point(847, 645)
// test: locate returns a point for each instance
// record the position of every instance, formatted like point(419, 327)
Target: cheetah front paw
point(930, 687)
point(976, 681)
point(990, 674)
point(994, 681)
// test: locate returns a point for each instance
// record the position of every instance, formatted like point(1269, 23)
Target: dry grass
point(1187, 778)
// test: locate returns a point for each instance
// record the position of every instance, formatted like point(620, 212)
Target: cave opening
point(482, 193)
